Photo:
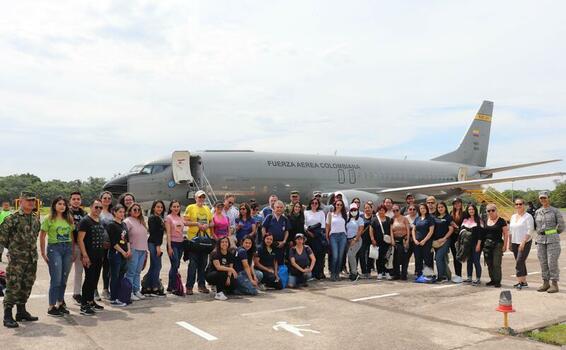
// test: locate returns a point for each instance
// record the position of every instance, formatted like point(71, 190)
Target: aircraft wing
point(463, 185)
point(489, 171)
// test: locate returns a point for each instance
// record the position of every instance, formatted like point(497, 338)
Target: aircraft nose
point(117, 185)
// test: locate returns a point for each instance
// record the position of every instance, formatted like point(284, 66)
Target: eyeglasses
point(135, 210)
point(430, 202)
point(395, 210)
point(491, 210)
point(98, 207)
point(411, 209)
point(518, 204)
point(203, 196)
point(230, 203)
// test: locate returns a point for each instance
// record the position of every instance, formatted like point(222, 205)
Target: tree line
point(11, 186)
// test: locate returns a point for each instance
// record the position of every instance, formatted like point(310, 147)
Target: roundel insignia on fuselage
point(171, 183)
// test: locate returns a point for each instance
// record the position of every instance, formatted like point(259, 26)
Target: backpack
point(125, 292)
point(283, 272)
point(145, 288)
point(178, 288)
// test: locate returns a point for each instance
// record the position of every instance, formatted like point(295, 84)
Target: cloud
point(366, 78)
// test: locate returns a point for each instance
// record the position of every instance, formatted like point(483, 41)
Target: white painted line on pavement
point(375, 297)
point(530, 273)
point(40, 296)
point(197, 331)
point(273, 311)
point(447, 286)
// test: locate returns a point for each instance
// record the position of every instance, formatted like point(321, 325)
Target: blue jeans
point(197, 264)
point(338, 246)
point(244, 285)
point(118, 267)
point(440, 258)
point(295, 281)
point(60, 258)
point(474, 261)
point(135, 267)
point(175, 259)
point(154, 267)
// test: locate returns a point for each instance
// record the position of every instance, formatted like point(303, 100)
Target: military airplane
point(248, 174)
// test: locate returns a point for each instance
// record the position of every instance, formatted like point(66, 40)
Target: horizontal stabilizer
point(465, 185)
point(489, 171)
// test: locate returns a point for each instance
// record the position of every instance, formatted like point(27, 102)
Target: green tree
point(558, 196)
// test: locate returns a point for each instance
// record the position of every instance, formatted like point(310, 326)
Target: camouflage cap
point(28, 195)
point(543, 194)
point(295, 192)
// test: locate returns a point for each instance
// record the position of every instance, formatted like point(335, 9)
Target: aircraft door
point(462, 174)
point(341, 176)
point(180, 163)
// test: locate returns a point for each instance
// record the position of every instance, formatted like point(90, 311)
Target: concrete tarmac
point(367, 314)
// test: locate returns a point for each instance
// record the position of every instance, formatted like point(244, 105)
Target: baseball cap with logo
point(200, 193)
point(543, 194)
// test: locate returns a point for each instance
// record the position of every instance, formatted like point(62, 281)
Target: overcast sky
point(90, 90)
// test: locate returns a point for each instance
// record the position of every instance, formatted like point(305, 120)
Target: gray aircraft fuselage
point(257, 175)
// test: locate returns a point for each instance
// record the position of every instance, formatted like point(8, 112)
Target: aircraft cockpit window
point(136, 169)
point(146, 169)
point(158, 168)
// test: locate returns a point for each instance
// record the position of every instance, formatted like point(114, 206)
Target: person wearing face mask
point(354, 229)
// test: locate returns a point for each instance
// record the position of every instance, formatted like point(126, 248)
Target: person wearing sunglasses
point(401, 229)
point(138, 234)
point(496, 238)
point(549, 225)
point(91, 241)
point(521, 228)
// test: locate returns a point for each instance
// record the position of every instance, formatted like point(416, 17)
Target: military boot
point(553, 288)
point(23, 315)
point(9, 321)
point(545, 286)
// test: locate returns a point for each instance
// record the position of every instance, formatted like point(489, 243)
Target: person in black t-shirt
point(221, 272)
point(301, 261)
point(496, 238)
point(156, 231)
point(119, 252)
point(78, 214)
point(265, 261)
point(91, 241)
point(248, 278)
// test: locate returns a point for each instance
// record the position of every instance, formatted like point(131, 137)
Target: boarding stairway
point(202, 184)
point(505, 207)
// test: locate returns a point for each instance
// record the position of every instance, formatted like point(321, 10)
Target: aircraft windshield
point(136, 169)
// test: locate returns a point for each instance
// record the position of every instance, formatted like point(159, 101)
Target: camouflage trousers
point(548, 255)
point(20, 277)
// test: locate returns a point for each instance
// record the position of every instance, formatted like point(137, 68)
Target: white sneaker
point(457, 279)
point(379, 277)
point(134, 298)
point(139, 295)
point(220, 296)
point(388, 276)
point(118, 303)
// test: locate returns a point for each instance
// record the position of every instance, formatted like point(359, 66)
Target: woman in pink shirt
point(221, 223)
point(137, 232)
point(174, 227)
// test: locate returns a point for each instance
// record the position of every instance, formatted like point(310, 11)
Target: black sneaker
point(97, 307)
point(490, 283)
point(63, 309)
point(87, 311)
point(78, 299)
point(160, 293)
point(497, 285)
point(524, 285)
point(54, 312)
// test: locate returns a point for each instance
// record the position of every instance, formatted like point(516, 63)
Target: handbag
point(373, 252)
point(386, 238)
point(201, 243)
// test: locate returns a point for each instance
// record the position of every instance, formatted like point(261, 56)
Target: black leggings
point(105, 271)
point(269, 280)
point(319, 252)
point(218, 279)
point(457, 263)
point(92, 275)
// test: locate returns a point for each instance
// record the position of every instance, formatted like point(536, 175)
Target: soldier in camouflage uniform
point(549, 224)
point(19, 233)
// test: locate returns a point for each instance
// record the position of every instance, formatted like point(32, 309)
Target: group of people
point(245, 249)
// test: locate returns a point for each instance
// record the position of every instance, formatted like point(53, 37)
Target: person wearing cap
point(198, 217)
point(295, 198)
point(549, 224)
point(19, 233)
point(301, 261)
point(354, 229)
point(4, 213)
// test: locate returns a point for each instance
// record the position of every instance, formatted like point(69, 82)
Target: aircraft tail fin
point(475, 144)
